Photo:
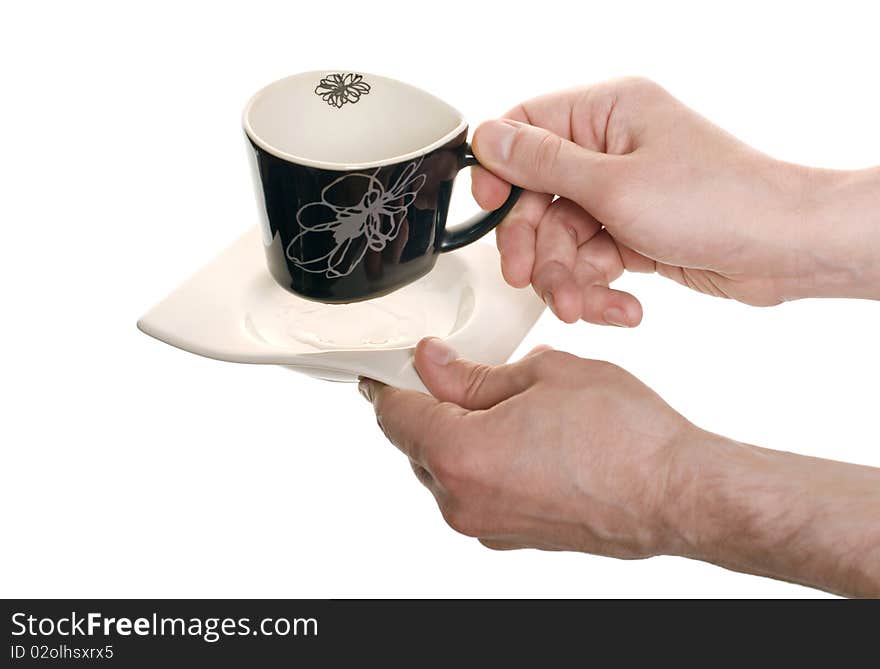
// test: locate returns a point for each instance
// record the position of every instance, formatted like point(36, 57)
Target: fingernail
point(438, 352)
point(365, 389)
point(615, 316)
point(495, 140)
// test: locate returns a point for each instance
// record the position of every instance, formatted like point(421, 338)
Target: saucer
point(233, 310)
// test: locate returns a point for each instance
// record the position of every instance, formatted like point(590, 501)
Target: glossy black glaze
point(336, 236)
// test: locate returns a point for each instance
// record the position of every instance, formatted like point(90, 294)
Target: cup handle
point(478, 225)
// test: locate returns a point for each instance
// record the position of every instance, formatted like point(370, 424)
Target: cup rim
point(341, 167)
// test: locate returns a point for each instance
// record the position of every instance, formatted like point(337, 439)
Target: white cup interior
point(390, 123)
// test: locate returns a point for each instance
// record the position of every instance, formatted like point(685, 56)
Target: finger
point(565, 113)
point(609, 306)
point(555, 284)
point(468, 384)
point(489, 191)
point(538, 160)
point(412, 421)
point(582, 114)
point(515, 237)
point(563, 228)
point(540, 348)
point(598, 263)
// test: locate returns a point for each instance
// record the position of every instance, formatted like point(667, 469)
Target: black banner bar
point(150, 633)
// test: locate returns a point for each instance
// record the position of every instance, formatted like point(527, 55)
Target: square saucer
point(233, 310)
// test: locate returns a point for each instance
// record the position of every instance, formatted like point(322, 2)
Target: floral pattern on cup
point(337, 89)
point(356, 213)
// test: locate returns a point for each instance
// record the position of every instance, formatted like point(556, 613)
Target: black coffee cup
point(354, 174)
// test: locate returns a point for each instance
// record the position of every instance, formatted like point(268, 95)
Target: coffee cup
point(353, 174)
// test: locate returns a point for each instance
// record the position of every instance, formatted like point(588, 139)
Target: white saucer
point(233, 310)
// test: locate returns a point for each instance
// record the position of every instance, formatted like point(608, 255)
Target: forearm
point(836, 233)
point(791, 517)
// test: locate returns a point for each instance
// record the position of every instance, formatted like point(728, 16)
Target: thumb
point(468, 384)
point(539, 160)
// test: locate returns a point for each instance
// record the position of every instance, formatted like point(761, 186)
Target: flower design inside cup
point(356, 213)
point(337, 89)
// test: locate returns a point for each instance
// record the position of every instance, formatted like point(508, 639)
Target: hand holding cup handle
point(481, 223)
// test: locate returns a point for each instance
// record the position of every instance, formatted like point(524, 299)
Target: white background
point(130, 468)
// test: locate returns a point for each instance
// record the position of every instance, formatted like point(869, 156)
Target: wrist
point(707, 470)
point(835, 233)
point(779, 514)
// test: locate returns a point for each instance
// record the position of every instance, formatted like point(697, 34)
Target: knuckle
point(440, 463)
point(450, 465)
point(601, 369)
point(474, 381)
point(492, 545)
point(607, 266)
point(561, 213)
point(520, 112)
point(460, 520)
point(440, 432)
point(547, 153)
point(436, 461)
point(435, 418)
point(548, 362)
point(596, 100)
point(460, 463)
point(519, 144)
point(639, 85)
